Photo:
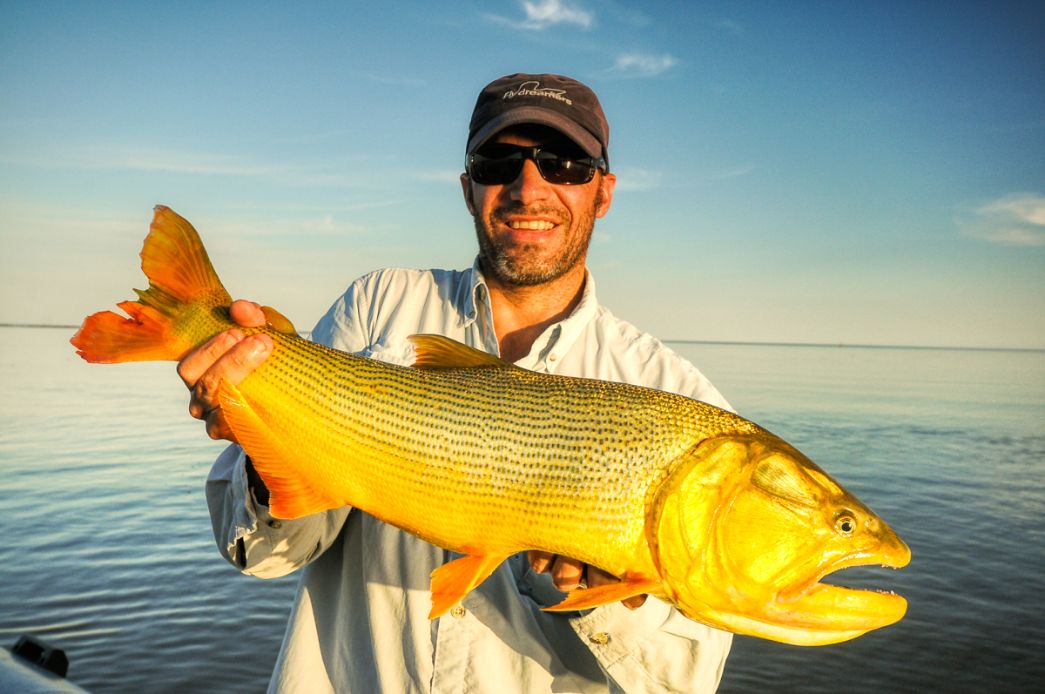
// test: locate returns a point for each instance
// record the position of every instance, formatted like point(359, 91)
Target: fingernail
point(259, 344)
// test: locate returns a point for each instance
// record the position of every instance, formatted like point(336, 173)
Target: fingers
point(539, 561)
point(635, 602)
point(570, 574)
point(194, 364)
point(247, 314)
point(217, 427)
point(566, 573)
point(229, 356)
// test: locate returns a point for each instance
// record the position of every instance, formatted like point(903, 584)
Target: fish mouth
point(830, 613)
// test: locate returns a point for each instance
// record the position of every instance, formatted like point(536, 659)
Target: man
point(536, 180)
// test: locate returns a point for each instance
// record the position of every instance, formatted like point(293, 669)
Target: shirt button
point(601, 638)
point(457, 611)
point(275, 524)
point(553, 357)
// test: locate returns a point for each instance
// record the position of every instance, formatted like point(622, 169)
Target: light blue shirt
point(360, 619)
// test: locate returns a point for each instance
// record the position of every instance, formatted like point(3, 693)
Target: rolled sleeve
point(249, 537)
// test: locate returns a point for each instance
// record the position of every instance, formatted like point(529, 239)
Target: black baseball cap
point(556, 101)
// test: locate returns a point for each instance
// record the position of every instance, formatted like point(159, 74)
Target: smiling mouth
point(530, 225)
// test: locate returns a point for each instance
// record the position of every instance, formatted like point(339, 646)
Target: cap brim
point(539, 116)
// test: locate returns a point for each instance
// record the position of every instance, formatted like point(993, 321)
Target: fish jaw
point(817, 614)
point(821, 615)
point(869, 610)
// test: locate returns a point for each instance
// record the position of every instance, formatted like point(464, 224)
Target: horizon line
point(739, 343)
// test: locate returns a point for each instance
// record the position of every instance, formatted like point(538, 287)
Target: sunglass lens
point(563, 171)
point(495, 170)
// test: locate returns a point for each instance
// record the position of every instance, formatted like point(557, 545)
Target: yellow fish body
point(677, 498)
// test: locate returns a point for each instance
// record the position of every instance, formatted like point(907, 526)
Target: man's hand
point(230, 356)
point(568, 574)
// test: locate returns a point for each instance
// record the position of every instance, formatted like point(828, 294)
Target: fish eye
point(845, 524)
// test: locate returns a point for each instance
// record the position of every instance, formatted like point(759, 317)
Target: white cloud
point(1012, 220)
point(230, 230)
point(545, 13)
point(643, 64)
point(730, 26)
point(734, 172)
point(22, 222)
point(163, 161)
point(135, 158)
point(635, 178)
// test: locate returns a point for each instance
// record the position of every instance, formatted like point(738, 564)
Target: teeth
point(532, 226)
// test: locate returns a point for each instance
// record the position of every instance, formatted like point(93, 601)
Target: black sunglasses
point(501, 163)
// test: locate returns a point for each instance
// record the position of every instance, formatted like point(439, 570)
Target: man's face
point(531, 231)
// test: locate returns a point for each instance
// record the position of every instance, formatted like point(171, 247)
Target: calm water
point(107, 550)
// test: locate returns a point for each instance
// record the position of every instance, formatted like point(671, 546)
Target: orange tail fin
point(181, 278)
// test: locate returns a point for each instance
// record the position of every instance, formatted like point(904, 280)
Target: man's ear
point(607, 183)
point(466, 188)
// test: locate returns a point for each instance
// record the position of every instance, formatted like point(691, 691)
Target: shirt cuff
point(245, 509)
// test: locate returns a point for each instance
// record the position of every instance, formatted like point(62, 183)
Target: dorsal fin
point(438, 352)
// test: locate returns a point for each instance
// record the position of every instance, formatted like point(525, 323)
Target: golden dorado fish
point(678, 499)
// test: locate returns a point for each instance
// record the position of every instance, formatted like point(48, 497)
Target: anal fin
point(291, 494)
point(586, 598)
point(454, 580)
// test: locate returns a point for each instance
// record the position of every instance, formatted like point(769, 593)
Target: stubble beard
point(519, 264)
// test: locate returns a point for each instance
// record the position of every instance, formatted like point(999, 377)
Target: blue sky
point(857, 173)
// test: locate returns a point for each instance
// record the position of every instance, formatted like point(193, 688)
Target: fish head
point(744, 529)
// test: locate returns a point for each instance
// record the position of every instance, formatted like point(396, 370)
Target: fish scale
point(487, 468)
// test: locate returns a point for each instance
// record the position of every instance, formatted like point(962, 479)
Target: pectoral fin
point(454, 580)
point(291, 495)
point(586, 598)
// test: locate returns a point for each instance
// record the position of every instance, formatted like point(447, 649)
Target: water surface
point(108, 551)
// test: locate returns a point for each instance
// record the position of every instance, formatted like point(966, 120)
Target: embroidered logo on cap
point(534, 88)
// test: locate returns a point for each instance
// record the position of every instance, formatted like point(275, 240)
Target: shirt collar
point(549, 348)
point(558, 339)
point(473, 295)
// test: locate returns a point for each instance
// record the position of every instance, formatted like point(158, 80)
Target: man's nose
point(529, 186)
